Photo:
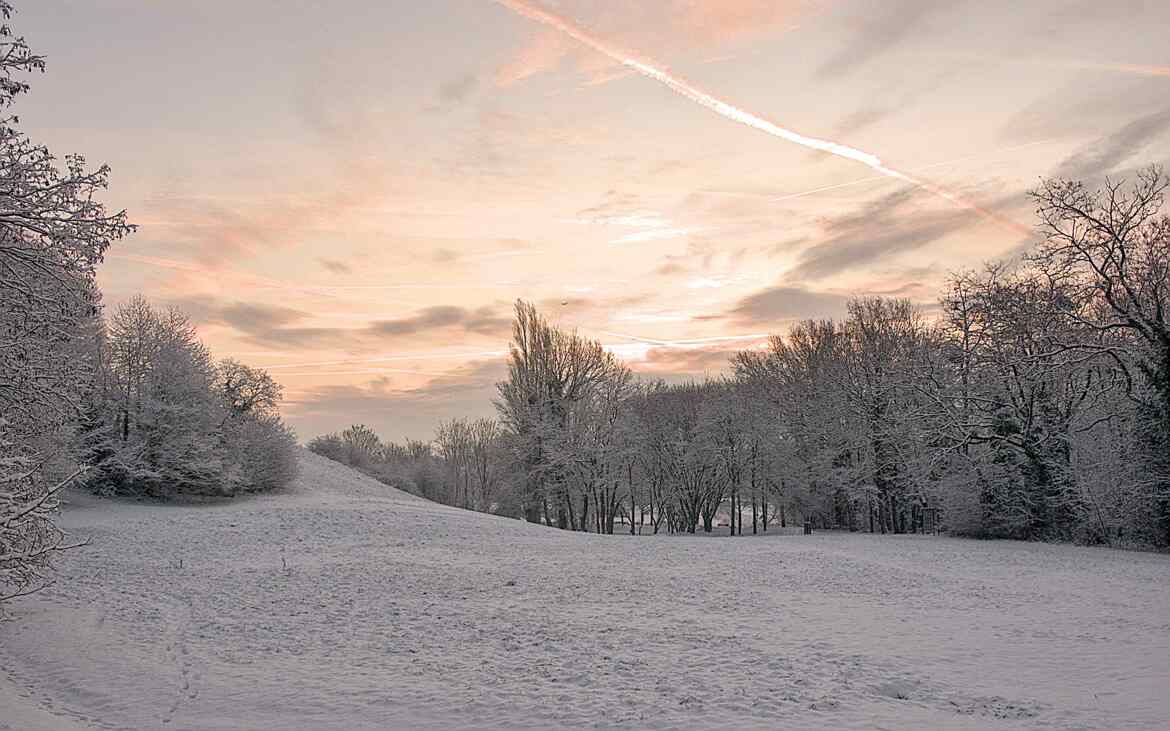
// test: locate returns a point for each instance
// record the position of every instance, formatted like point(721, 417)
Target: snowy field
point(348, 605)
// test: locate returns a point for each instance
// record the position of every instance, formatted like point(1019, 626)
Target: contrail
point(730, 111)
point(874, 178)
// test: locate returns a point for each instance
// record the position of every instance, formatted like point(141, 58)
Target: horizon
point(333, 199)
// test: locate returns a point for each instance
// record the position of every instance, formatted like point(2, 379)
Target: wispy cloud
point(879, 229)
point(1105, 154)
point(880, 28)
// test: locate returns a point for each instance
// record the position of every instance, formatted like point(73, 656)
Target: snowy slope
point(345, 604)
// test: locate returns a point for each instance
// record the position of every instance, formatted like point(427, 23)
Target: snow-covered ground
point(347, 605)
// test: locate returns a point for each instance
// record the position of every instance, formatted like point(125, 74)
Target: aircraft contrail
point(730, 111)
point(873, 178)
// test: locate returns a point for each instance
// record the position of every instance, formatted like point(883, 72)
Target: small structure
point(807, 528)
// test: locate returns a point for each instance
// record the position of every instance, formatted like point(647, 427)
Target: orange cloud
point(542, 52)
point(716, 22)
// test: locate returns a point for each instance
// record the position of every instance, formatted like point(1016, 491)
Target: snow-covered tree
point(53, 234)
point(168, 420)
point(549, 372)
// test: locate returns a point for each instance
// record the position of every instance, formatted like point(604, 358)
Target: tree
point(813, 448)
point(1111, 249)
point(486, 460)
point(453, 445)
point(53, 234)
point(549, 371)
point(246, 391)
point(166, 420)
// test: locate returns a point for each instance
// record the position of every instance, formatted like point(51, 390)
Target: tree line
point(130, 404)
point(1033, 402)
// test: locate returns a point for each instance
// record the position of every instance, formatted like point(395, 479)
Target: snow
point(344, 604)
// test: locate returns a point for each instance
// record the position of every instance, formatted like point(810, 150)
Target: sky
point(353, 194)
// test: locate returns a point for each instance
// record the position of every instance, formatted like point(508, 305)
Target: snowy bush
point(168, 421)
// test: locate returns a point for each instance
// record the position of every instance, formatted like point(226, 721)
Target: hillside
point(345, 604)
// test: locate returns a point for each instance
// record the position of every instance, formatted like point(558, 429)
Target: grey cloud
point(268, 325)
point(250, 317)
point(1091, 104)
point(787, 303)
point(482, 321)
point(861, 118)
point(1107, 153)
point(889, 100)
point(861, 237)
point(261, 324)
point(458, 89)
point(891, 23)
point(247, 317)
point(337, 267)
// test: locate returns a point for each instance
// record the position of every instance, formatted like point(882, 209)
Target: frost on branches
point(53, 234)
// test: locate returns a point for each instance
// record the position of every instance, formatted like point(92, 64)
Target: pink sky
point(353, 194)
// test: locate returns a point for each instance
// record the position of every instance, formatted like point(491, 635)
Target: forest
point(1031, 402)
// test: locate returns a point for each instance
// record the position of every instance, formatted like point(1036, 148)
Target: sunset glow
point(358, 206)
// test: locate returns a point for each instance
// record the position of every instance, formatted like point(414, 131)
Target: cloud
point(1105, 154)
point(781, 303)
point(710, 23)
point(458, 89)
point(247, 317)
point(674, 364)
point(251, 317)
point(861, 118)
point(890, 23)
point(889, 100)
point(542, 52)
point(1086, 106)
point(482, 321)
point(396, 412)
point(269, 325)
point(881, 228)
point(337, 267)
